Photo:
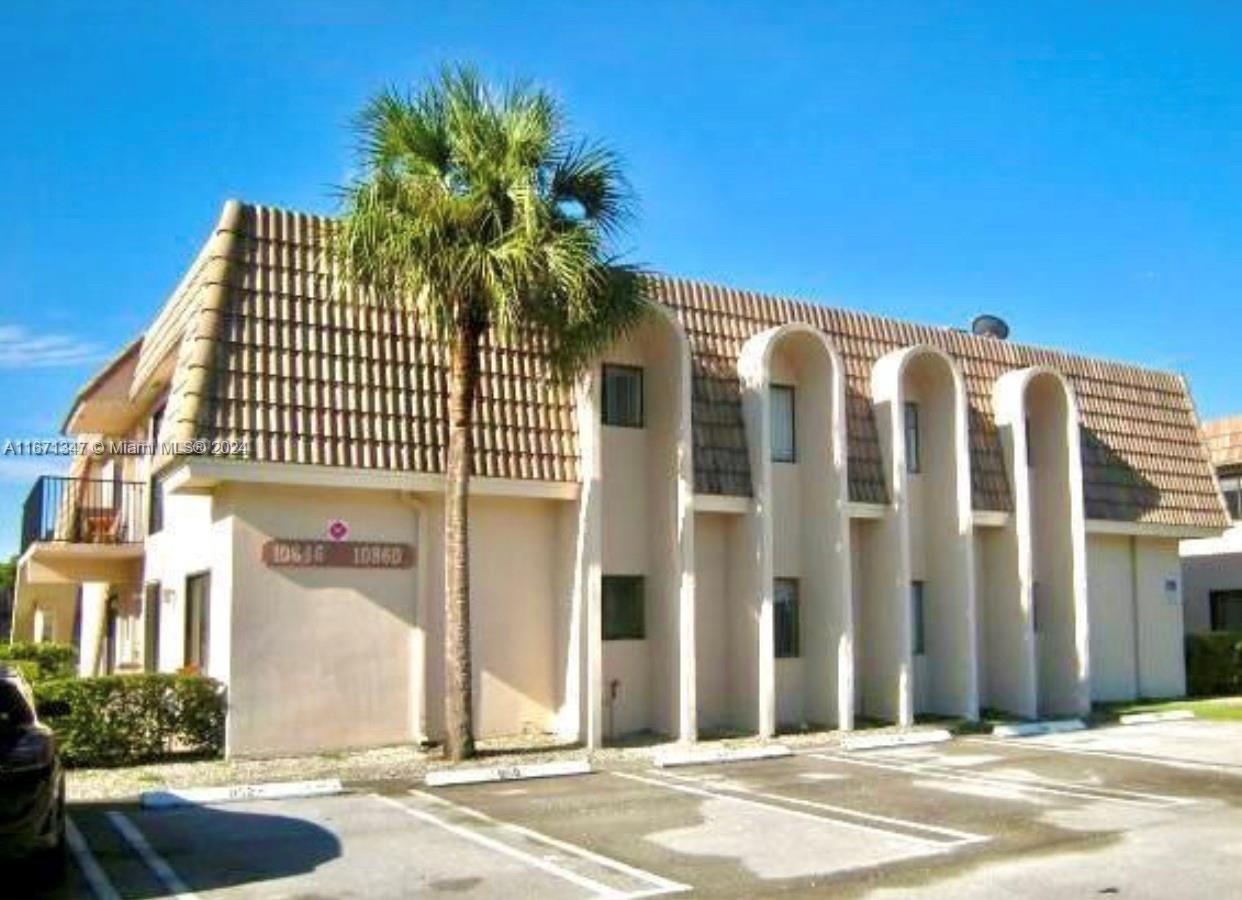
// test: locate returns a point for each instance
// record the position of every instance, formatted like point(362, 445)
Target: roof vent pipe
point(990, 326)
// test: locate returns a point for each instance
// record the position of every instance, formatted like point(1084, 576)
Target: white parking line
point(1041, 744)
point(94, 874)
point(841, 815)
point(1031, 785)
point(156, 863)
point(657, 884)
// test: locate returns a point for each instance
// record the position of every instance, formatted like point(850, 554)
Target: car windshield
point(15, 712)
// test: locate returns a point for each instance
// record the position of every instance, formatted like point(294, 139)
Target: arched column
point(635, 518)
point(920, 559)
point(798, 532)
point(1037, 414)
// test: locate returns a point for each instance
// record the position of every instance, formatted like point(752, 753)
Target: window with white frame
point(1231, 488)
point(1226, 610)
point(784, 427)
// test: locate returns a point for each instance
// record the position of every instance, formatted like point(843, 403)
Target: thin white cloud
point(20, 349)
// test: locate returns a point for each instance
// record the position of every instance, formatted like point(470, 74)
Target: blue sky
point(1072, 167)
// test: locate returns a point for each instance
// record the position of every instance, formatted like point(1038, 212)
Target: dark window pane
point(784, 436)
point(785, 616)
point(917, 618)
point(914, 462)
point(1226, 610)
point(623, 396)
point(622, 608)
point(197, 619)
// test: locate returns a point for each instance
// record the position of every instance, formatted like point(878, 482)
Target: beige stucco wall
point(1136, 618)
point(1162, 662)
point(1110, 585)
point(725, 636)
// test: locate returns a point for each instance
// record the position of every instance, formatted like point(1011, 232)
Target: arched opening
point(1057, 605)
point(793, 628)
point(916, 609)
point(646, 614)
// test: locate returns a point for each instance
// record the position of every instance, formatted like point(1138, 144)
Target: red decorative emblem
point(338, 529)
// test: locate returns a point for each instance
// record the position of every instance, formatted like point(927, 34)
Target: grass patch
point(1221, 709)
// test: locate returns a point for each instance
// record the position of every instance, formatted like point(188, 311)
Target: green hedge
point(118, 720)
point(1214, 663)
point(51, 660)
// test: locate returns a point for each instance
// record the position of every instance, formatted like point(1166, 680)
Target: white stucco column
point(943, 527)
point(584, 687)
point(1049, 523)
point(821, 529)
point(94, 613)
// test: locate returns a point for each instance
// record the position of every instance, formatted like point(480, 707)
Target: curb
point(674, 758)
point(239, 793)
point(451, 777)
point(901, 739)
point(1032, 729)
point(1169, 715)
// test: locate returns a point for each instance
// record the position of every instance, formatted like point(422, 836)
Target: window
point(155, 496)
point(913, 451)
point(1030, 446)
point(785, 616)
point(918, 619)
point(1035, 604)
point(1231, 487)
point(623, 396)
point(622, 601)
point(151, 628)
point(197, 615)
point(1226, 610)
point(155, 506)
point(47, 626)
point(784, 434)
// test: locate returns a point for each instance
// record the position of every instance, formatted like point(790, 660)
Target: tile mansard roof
point(265, 355)
point(1223, 438)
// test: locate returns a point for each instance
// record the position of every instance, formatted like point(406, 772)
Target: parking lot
point(1141, 811)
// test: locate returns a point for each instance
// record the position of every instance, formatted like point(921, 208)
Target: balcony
point(83, 511)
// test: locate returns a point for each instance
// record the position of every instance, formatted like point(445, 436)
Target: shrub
point(1214, 663)
point(52, 660)
point(117, 720)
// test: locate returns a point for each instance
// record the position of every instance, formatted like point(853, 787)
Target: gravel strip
point(401, 764)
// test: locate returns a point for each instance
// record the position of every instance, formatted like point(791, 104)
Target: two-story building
point(1212, 567)
point(752, 515)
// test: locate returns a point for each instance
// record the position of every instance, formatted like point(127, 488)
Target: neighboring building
point(1212, 567)
point(753, 514)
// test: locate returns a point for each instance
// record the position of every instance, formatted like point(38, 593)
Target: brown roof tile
point(267, 356)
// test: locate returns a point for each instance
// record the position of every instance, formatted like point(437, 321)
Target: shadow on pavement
point(209, 848)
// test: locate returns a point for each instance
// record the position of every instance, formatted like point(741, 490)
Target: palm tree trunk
point(458, 695)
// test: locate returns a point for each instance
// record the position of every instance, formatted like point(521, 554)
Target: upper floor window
point(784, 428)
point(914, 461)
point(623, 396)
point(157, 422)
point(1231, 487)
point(785, 618)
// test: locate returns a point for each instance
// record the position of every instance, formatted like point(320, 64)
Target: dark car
point(32, 782)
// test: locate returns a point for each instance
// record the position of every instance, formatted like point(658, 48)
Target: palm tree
point(475, 209)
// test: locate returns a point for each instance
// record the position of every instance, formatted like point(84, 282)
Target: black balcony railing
point(83, 511)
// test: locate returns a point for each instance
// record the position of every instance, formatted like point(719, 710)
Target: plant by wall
point(1214, 663)
point(47, 661)
point(117, 720)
